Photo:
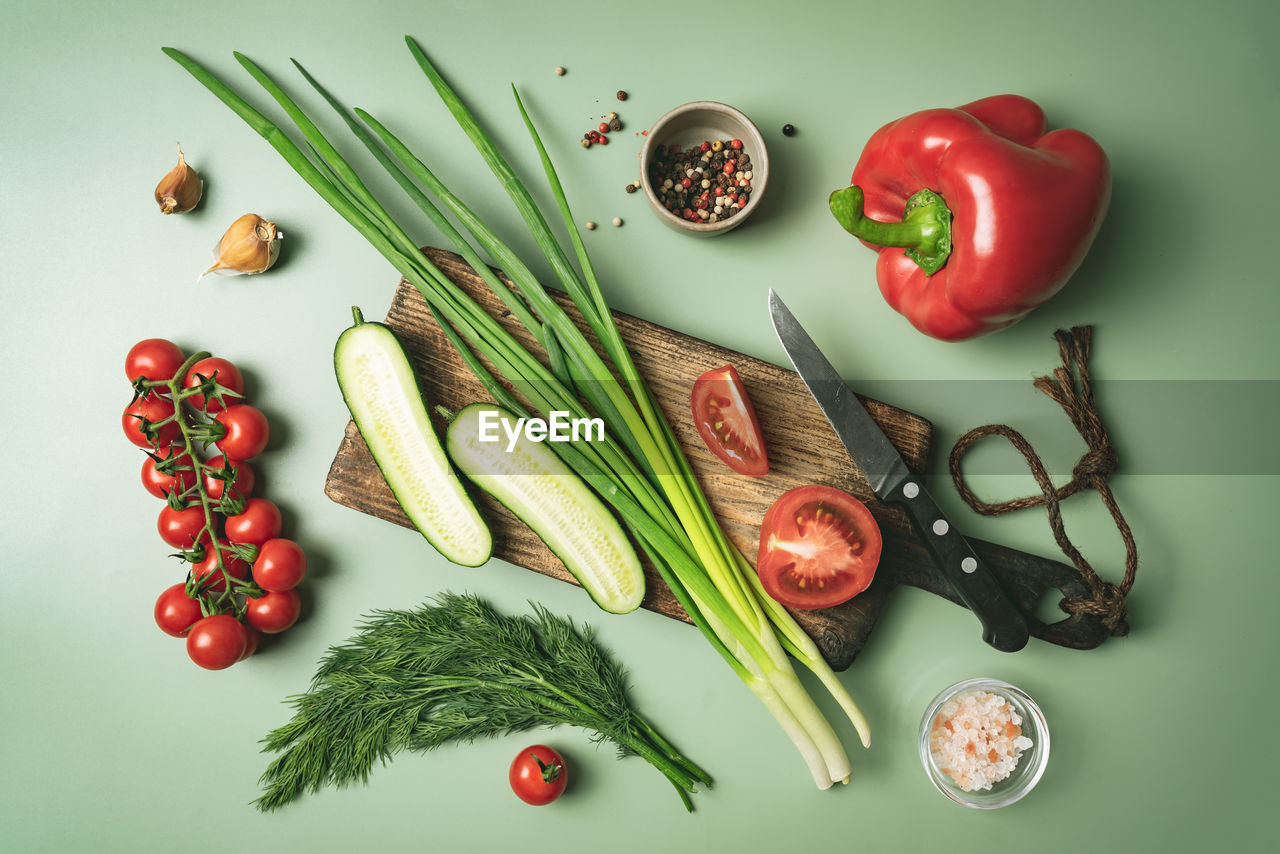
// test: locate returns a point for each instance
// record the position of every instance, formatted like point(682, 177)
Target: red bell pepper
point(979, 215)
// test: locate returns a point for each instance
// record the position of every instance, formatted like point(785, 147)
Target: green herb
point(455, 671)
point(640, 470)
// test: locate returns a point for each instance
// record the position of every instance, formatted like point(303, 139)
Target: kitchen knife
point(893, 483)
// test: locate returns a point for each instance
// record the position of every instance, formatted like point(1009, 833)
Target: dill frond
point(455, 670)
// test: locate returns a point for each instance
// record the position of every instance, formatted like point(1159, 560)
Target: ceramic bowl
point(689, 125)
point(1031, 764)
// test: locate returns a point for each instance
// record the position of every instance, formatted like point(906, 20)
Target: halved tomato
point(819, 547)
point(726, 420)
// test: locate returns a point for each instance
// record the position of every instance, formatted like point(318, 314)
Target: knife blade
point(894, 483)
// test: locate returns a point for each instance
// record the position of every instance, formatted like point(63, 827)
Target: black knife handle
point(1002, 624)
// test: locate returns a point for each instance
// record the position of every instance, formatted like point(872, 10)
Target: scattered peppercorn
point(788, 130)
point(617, 221)
point(708, 183)
point(631, 188)
point(560, 70)
point(622, 96)
point(611, 124)
point(591, 226)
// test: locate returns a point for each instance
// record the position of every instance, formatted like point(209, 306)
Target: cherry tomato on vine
point(252, 636)
point(217, 642)
point(154, 358)
point(176, 612)
point(246, 433)
point(241, 478)
point(273, 611)
point(819, 547)
point(160, 484)
point(210, 577)
point(180, 528)
point(223, 373)
point(280, 565)
point(727, 422)
point(538, 775)
point(154, 409)
point(259, 522)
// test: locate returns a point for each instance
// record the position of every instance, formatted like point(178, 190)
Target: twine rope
point(1071, 387)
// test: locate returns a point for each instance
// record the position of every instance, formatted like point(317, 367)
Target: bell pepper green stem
point(925, 230)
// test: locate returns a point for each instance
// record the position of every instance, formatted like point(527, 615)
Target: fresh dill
point(455, 670)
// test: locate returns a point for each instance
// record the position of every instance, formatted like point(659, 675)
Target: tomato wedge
point(726, 420)
point(819, 547)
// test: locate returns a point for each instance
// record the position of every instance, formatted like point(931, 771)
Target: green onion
point(640, 470)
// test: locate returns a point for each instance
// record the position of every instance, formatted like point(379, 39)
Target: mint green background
point(110, 740)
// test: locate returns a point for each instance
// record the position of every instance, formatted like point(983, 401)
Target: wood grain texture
point(802, 447)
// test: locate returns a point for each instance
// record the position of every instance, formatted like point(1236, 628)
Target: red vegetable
point(273, 611)
point(281, 565)
point(156, 359)
point(176, 612)
point(538, 775)
point(150, 409)
point(259, 522)
point(218, 473)
point(727, 422)
point(819, 547)
point(979, 215)
point(217, 642)
point(210, 576)
point(246, 431)
point(180, 528)
point(181, 474)
point(222, 373)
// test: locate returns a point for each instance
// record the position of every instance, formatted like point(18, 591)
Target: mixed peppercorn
point(705, 183)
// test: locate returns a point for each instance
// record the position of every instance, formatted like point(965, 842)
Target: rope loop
point(1071, 387)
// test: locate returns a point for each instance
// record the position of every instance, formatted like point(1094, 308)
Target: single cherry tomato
point(280, 565)
point(538, 775)
point(176, 612)
point(726, 420)
point(210, 577)
point(252, 636)
point(246, 433)
point(223, 373)
point(819, 547)
point(153, 409)
point(273, 611)
point(154, 358)
point(179, 475)
point(218, 474)
point(259, 522)
point(181, 528)
point(217, 642)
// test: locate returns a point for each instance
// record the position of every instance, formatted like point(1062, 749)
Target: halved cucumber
point(382, 393)
point(534, 484)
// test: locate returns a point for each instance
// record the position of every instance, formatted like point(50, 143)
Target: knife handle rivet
point(911, 489)
point(968, 564)
point(940, 527)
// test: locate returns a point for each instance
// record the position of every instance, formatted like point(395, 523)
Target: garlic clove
point(251, 245)
point(179, 191)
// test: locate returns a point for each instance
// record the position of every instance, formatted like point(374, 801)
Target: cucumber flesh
point(535, 484)
point(386, 403)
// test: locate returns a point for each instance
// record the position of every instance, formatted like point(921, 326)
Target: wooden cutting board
point(802, 447)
